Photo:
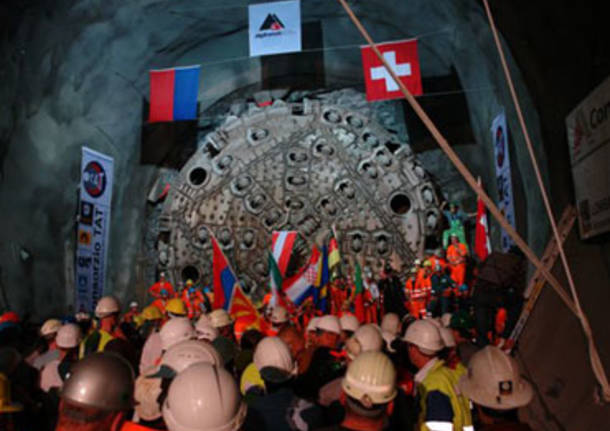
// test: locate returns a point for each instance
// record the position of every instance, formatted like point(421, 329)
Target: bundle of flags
point(309, 283)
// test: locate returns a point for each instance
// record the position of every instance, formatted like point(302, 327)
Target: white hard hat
point(329, 323)
point(391, 323)
point(176, 330)
point(368, 339)
point(220, 318)
point(204, 319)
point(425, 335)
point(206, 332)
point(204, 398)
point(273, 352)
point(313, 324)
point(81, 316)
point(189, 352)
point(494, 381)
point(50, 327)
point(349, 322)
point(106, 306)
point(146, 393)
point(417, 262)
point(133, 304)
point(371, 375)
point(68, 336)
point(389, 338)
point(279, 315)
point(446, 319)
point(447, 337)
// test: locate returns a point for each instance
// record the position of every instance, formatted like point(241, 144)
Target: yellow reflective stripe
point(439, 426)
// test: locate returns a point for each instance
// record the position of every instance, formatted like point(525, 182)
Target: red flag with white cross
point(402, 58)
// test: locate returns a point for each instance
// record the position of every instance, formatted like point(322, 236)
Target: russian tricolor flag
point(173, 94)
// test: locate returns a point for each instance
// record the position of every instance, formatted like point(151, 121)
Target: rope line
point(596, 363)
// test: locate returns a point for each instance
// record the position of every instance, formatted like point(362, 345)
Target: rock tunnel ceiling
point(303, 166)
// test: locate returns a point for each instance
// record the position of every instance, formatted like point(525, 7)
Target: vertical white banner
point(274, 28)
point(93, 228)
point(499, 134)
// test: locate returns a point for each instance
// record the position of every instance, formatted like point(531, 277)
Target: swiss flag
point(482, 245)
point(404, 61)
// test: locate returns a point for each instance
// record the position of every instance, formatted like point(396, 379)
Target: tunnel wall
point(77, 76)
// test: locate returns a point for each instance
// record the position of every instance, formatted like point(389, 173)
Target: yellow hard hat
point(427, 263)
point(6, 404)
point(371, 375)
point(176, 306)
point(151, 313)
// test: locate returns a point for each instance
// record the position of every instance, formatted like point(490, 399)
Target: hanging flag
point(333, 252)
point(223, 277)
point(173, 94)
point(359, 294)
point(282, 244)
point(274, 28)
point(482, 244)
point(302, 286)
point(275, 282)
point(403, 59)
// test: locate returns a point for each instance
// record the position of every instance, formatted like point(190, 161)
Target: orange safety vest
point(155, 289)
point(456, 254)
point(132, 426)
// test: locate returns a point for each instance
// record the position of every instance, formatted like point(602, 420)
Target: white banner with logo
point(588, 128)
point(275, 28)
point(93, 228)
point(504, 183)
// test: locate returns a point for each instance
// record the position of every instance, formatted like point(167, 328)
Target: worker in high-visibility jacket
point(418, 290)
point(163, 284)
point(457, 253)
point(193, 300)
point(441, 406)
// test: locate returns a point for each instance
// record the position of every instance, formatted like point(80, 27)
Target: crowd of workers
point(412, 361)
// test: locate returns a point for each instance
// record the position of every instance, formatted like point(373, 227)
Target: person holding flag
point(482, 244)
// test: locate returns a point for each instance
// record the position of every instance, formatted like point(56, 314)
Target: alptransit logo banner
point(275, 28)
point(93, 228)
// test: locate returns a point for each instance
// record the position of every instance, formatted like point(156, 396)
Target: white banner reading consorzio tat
point(93, 228)
point(588, 129)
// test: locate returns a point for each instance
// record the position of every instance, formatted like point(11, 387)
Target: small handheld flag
point(224, 278)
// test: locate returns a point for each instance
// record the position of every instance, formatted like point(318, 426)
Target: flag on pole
point(173, 94)
point(333, 252)
point(302, 286)
point(321, 290)
point(223, 277)
point(482, 244)
point(241, 306)
point(275, 282)
point(403, 59)
point(282, 244)
point(359, 294)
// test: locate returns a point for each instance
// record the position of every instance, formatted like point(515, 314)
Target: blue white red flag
point(301, 286)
